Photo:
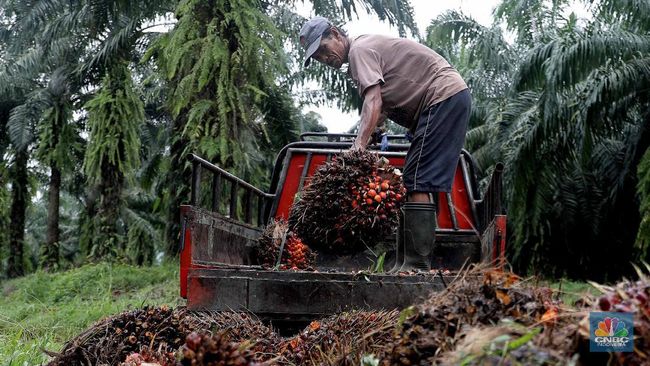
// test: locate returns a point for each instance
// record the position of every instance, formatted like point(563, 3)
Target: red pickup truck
point(226, 215)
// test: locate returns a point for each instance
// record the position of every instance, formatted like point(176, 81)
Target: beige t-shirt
point(412, 76)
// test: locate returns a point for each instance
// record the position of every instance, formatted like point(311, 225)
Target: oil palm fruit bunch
point(111, 340)
point(345, 336)
point(299, 256)
point(277, 238)
point(150, 357)
point(349, 204)
point(212, 350)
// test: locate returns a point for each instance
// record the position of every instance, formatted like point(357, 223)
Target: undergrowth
point(42, 311)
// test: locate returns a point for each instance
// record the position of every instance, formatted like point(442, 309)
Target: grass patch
point(43, 311)
point(571, 291)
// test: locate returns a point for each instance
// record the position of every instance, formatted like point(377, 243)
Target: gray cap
point(311, 34)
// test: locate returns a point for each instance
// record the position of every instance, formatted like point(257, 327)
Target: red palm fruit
point(372, 185)
point(369, 201)
point(604, 304)
point(372, 193)
point(378, 198)
point(398, 197)
point(385, 186)
point(382, 195)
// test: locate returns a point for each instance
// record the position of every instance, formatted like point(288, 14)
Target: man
point(415, 87)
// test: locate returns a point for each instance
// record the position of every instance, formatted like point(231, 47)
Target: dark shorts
point(438, 139)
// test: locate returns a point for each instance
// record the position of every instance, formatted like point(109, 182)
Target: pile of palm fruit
point(485, 317)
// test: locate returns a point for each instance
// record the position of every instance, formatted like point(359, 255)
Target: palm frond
point(588, 52)
point(486, 46)
point(23, 118)
point(116, 44)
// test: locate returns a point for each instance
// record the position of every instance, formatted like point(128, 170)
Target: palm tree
point(565, 107)
point(61, 48)
point(5, 199)
point(114, 116)
point(574, 132)
point(20, 198)
point(14, 199)
point(56, 147)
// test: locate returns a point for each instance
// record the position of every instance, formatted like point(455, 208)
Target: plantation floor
point(43, 311)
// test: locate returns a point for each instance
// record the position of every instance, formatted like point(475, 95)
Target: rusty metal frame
point(219, 174)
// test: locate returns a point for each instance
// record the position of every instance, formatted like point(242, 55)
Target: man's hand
point(357, 145)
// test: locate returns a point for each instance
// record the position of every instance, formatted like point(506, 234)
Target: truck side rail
point(342, 137)
point(491, 205)
point(237, 187)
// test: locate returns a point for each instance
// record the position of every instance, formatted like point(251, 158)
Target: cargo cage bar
point(338, 137)
point(483, 210)
point(491, 205)
point(236, 183)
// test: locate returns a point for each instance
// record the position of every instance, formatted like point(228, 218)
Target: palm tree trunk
point(50, 258)
point(20, 197)
point(107, 244)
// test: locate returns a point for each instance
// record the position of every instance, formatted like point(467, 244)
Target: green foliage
point(5, 203)
point(501, 346)
point(565, 108)
point(55, 52)
point(143, 228)
point(43, 311)
point(115, 115)
point(218, 60)
point(311, 122)
point(533, 21)
point(593, 89)
point(280, 117)
point(57, 140)
point(643, 187)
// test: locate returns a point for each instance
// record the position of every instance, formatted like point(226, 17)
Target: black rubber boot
point(419, 235)
point(399, 246)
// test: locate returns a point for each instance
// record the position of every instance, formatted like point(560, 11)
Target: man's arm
point(370, 116)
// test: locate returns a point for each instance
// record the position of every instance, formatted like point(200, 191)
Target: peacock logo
point(611, 332)
point(611, 327)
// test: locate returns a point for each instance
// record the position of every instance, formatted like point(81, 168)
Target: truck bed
point(218, 271)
